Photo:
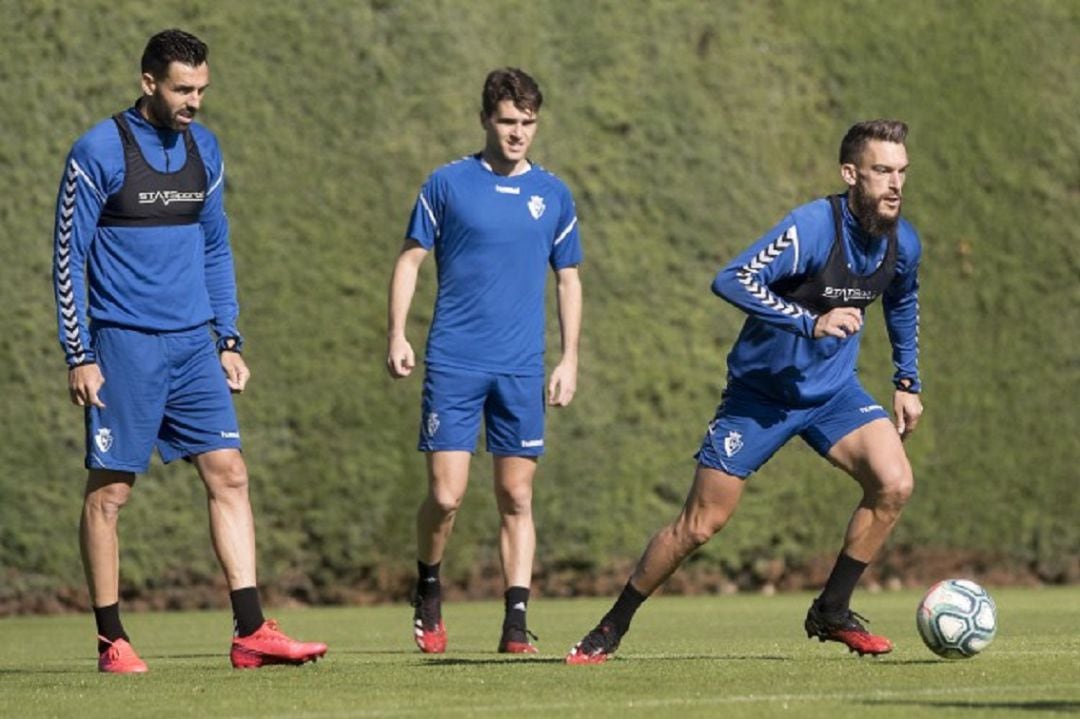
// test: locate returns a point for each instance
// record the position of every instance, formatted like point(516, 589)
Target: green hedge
point(685, 129)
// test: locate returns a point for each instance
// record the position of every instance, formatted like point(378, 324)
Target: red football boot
point(429, 632)
point(845, 628)
point(120, 658)
point(596, 647)
point(515, 640)
point(269, 645)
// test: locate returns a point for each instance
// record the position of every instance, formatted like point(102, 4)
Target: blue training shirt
point(152, 278)
point(494, 237)
point(775, 353)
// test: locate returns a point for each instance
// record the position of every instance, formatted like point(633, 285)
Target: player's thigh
point(713, 498)
point(448, 477)
point(514, 415)
point(745, 432)
point(513, 480)
point(855, 433)
point(120, 436)
point(451, 405)
point(199, 415)
point(874, 456)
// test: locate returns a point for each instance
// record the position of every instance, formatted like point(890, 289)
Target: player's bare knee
point(227, 477)
point(895, 486)
point(444, 503)
point(107, 500)
point(696, 530)
point(516, 506)
point(516, 502)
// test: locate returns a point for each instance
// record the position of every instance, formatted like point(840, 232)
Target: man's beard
point(159, 114)
point(864, 207)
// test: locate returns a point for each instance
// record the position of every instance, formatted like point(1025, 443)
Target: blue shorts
point(748, 427)
point(513, 409)
point(161, 389)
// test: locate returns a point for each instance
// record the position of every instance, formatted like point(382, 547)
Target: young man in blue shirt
point(496, 222)
point(141, 248)
point(792, 371)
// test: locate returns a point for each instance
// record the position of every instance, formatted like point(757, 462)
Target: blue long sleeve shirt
point(775, 353)
point(153, 278)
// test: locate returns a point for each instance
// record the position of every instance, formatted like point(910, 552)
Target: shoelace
point(525, 632)
point(854, 620)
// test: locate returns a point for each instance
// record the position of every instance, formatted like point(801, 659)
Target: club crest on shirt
point(431, 425)
point(732, 443)
point(103, 439)
point(536, 206)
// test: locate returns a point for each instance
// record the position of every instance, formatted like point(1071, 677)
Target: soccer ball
point(957, 619)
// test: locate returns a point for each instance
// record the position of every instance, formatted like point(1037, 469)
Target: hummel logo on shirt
point(508, 190)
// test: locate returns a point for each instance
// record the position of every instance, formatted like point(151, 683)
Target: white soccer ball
point(957, 619)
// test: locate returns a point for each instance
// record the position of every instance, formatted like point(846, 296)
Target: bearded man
point(805, 285)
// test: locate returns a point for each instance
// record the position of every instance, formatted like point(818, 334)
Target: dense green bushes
point(685, 129)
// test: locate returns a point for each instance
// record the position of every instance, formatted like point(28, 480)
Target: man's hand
point(563, 383)
point(839, 322)
point(908, 408)
point(84, 383)
point(400, 358)
point(237, 373)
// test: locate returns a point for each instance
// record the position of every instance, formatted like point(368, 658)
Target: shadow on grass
point(506, 661)
point(882, 660)
point(711, 657)
point(1036, 705)
point(38, 670)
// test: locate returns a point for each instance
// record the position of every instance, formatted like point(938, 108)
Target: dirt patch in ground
point(897, 569)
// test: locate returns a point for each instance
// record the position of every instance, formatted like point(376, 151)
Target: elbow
point(724, 284)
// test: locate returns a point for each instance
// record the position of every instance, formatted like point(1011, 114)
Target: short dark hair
point(170, 46)
point(855, 140)
point(510, 83)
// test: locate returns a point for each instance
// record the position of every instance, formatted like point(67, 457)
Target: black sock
point(427, 584)
point(836, 596)
point(517, 601)
point(109, 625)
point(623, 610)
point(247, 611)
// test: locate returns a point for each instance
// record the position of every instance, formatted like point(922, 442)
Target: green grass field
point(735, 656)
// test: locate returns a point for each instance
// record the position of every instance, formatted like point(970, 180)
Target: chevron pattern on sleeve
point(748, 276)
point(64, 291)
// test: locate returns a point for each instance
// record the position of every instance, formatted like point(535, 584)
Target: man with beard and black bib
point(143, 273)
point(804, 286)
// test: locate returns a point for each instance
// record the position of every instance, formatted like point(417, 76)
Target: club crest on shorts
point(431, 424)
point(732, 443)
point(536, 206)
point(103, 439)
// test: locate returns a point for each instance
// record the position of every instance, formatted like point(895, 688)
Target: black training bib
point(150, 198)
point(835, 285)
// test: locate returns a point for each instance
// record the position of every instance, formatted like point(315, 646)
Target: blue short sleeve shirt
point(494, 238)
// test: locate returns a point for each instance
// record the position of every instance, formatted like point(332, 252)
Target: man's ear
point(149, 84)
point(849, 174)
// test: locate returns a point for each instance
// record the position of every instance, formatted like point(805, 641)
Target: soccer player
point(496, 221)
point(142, 250)
point(804, 286)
